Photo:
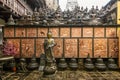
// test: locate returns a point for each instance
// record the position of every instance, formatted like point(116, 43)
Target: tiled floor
point(65, 75)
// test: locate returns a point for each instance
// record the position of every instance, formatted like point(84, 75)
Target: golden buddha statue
point(48, 47)
point(50, 66)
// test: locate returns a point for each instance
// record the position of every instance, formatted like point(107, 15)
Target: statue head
point(49, 34)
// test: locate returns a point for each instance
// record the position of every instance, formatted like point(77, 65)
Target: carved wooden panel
point(76, 32)
point(42, 32)
point(65, 32)
point(85, 48)
point(71, 49)
point(55, 32)
point(39, 47)
point(16, 43)
point(27, 48)
point(113, 48)
point(99, 32)
point(110, 32)
point(100, 48)
point(8, 32)
point(31, 32)
point(87, 32)
point(58, 49)
point(20, 32)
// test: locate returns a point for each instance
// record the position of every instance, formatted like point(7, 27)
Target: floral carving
point(65, 32)
point(55, 32)
point(71, 48)
point(113, 48)
point(100, 48)
point(8, 32)
point(99, 32)
point(110, 32)
point(58, 49)
point(87, 32)
point(27, 47)
point(85, 47)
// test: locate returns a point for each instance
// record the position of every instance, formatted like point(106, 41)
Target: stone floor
point(64, 75)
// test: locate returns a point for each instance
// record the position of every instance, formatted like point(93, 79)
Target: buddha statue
point(88, 63)
point(11, 21)
point(29, 19)
point(48, 46)
point(36, 16)
point(57, 17)
point(22, 66)
point(50, 66)
point(41, 13)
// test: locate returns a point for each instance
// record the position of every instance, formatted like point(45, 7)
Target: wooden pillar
point(118, 31)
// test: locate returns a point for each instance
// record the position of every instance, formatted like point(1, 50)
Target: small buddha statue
point(97, 10)
point(36, 16)
point(41, 13)
point(22, 20)
point(11, 21)
point(110, 21)
point(29, 18)
point(57, 17)
point(22, 66)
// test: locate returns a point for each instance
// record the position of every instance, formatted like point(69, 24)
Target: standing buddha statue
point(50, 66)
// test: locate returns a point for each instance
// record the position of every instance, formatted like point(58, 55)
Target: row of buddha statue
point(46, 16)
point(73, 64)
point(88, 64)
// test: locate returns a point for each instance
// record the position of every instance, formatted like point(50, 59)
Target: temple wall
point(72, 41)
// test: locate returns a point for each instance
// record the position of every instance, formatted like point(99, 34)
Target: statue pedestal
point(50, 69)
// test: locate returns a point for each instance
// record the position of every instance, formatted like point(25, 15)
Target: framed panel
point(100, 48)
point(9, 32)
point(42, 32)
point(71, 49)
point(16, 43)
point(55, 32)
point(87, 32)
point(99, 32)
point(76, 32)
point(27, 48)
point(58, 49)
point(39, 47)
point(20, 32)
point(110, 32)
point(113, 48)
point(31, 32)
point(85, 48)
point(64, 32)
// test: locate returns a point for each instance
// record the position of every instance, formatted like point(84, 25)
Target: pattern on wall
point(72, 41)
point(85, 48)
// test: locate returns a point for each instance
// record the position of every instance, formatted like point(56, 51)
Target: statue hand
point(55, 44)
point(49, 46)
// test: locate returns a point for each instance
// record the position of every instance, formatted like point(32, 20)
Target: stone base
point(48, 75)
point(49, 71)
